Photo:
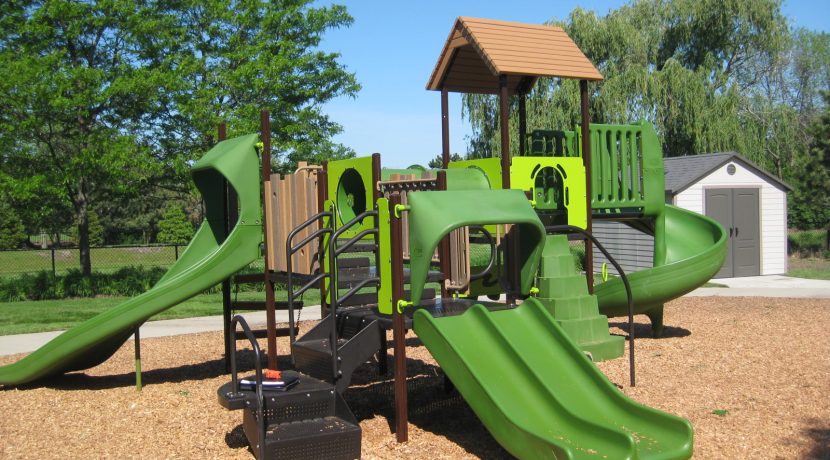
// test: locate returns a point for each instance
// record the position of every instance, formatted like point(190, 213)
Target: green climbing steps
point(538, 394)
point(564, 292)
point(210, 257)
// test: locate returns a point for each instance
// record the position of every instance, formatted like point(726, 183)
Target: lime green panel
point(465, 178)
point(491, 167)
point(434, 214)
point(350, 186)
point(524, 171)
point(209, 258)
point(695, 251)
point(385, 258)
point(539, 395)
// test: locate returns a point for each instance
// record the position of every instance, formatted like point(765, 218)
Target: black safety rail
point(289, 253)
point(335, 250)
point(587, 234)
point(237, 394)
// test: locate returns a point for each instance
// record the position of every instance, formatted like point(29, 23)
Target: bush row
point(808, 243)
point(128, 281)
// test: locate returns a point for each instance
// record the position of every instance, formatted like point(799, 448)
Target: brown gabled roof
point(479, 51)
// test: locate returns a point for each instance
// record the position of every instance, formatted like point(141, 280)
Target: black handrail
point(260, 399)
point(356, 288)
point(353, 240)
point(333, 253)
point(493, 250)
point(289, 253)
point(587, 234)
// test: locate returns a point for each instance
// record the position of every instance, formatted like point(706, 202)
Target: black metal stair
point(308, 421)
point(313, 352)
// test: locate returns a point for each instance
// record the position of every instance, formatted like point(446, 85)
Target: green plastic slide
point(538, 394)
point(209, 258)
point(695, 250)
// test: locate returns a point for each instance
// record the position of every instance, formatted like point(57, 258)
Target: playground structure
point(371, 239)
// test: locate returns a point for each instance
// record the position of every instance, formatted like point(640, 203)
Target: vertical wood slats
point(292, 202)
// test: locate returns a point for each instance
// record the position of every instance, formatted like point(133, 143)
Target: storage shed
point(750, 203)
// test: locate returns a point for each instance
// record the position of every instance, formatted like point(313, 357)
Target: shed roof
point(479, 51)
point(683, 172)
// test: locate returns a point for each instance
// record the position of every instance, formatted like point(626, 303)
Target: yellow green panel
point(524, 172)
point(350, 187)
point(385, 258)
point(491, 167)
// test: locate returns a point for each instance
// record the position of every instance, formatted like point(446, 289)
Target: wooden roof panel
point(480, 50)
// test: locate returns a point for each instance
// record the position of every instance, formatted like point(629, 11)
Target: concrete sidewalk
point(767, 286)
point(24, 343)
point(754, 286)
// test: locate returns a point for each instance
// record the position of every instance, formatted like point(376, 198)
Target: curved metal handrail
point(573, 229)
point(289, 252)
point(260, 399)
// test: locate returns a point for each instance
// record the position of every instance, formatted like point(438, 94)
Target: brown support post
point(445, 129)
point(586, 159)
point(322, 196)
point(505, 132)
point(522, 124)
point(398, 327)
point(270, 310)
point(228, 197)
point(444, 246)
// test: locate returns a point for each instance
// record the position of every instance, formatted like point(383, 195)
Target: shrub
point(128, 281)
point(808, 243)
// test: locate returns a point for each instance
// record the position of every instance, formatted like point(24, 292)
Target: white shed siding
point(773, 211)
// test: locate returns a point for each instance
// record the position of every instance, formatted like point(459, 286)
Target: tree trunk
point(82, 209)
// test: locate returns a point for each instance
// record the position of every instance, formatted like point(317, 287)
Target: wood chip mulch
point(751, 374)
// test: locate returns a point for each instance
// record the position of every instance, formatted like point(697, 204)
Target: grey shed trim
point(683, 172)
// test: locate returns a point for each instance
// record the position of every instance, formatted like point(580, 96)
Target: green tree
point(12, 232)
point(104, 100)
point(174, 227)
point(809, 203)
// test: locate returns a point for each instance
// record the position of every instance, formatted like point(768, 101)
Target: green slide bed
point(695, 251)
point(539, 395)
point(209, 258)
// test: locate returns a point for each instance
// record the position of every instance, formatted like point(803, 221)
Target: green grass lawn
point(51, 315)
point(811, 268)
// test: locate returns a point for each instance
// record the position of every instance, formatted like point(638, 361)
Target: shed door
point(737, 210)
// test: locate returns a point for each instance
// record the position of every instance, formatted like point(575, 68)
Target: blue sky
point(394, 45)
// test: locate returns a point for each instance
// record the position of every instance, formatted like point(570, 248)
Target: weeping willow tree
point(709, 75)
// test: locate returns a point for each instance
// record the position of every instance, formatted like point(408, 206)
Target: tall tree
point(104, 98)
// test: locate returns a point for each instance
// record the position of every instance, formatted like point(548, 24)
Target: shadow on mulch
point(819, 432)
point(201, 371)
point(431, 407)
point(643, 331)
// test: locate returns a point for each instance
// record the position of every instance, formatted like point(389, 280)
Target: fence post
point(176, 249)
point(54, 272)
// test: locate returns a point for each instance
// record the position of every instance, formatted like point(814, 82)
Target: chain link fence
point(105, 259)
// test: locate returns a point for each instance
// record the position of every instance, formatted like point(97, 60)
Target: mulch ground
point(751, 374)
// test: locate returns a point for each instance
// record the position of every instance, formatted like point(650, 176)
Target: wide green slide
point(211, 256)
point(695, 248)
point(537, 392)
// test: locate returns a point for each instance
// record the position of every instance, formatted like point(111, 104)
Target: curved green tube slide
point(209, 258)
point(695, 251)
point(537, 392)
